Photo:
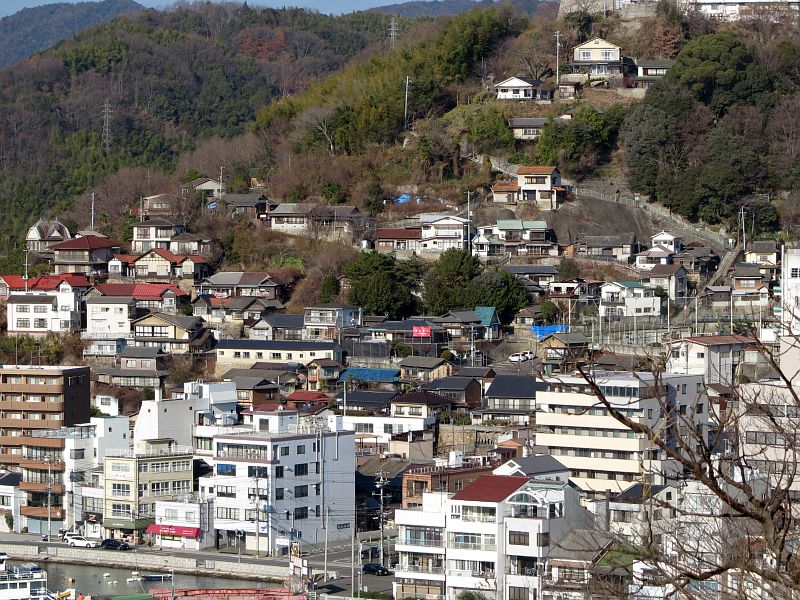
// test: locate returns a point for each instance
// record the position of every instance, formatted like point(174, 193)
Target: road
point(338, 561)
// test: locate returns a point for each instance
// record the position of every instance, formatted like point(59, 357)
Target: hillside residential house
point(136, 368)
point(540, 185)
point(657, 255)
point(159, 205)
point(665, 239)
point(529, 128)
point(424, 369)
point(258, 284)
point(38, 313)
point(17, 284)
point(276, 327)
point(597, 59)
point(463, 392)
point(673, 279)
point(44, 234)
point(650, 71)
point(190, 244)
point(563, 352)
point(158, 264)
point(510, 399)
point(621, 246)
point(172, 333)
point(253, 205)
point(628, 299)
point(322, 374)
point(233, 310)
point(154, 233)
point(205, 186)
point(715, 357)
point(232, 353)
point(394, 239)
point(291, 218)
point(420, 403)
point(515, 237)
point(525, 88)
point(750, 289)
point(325, 321)
point(88, 255)
point(765, 254)
point(535, 278)
point(108, 324)
point(149, 297)
point(699, 261)
point(443, 233)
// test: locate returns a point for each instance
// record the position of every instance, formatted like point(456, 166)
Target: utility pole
point(558, 52)
point(221, 167)
point(48, 460)
point(405, 106)
point(106, 138)
point(258, 520)
point(393, 31)
point(469, 222)
point(353, 560)
point(91, 226)
point(382, 481)
point(25, 277)
point(327, 519)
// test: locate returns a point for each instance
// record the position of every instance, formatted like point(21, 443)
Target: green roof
point(630, 284)
point(520, 224)
point(486, 314)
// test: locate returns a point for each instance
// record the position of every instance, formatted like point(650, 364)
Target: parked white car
point(80, 541)
point(518, 357)
point(69, 535)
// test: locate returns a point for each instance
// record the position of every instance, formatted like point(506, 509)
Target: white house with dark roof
point(673, 279)
point(628, 299)
point(539, 185)
point(154, 233)
point(525, 88)
point(621, 246)
point(657, 255)
point(44, 233)
point(715, 357)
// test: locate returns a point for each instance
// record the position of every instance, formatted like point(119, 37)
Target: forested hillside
point(33, 29)
point(435, 8)
point(171, 78)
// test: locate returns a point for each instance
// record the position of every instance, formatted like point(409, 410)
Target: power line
point(393, 31)
point(106, 114)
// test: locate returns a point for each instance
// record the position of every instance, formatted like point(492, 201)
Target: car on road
point(375, 569)
point(114, 545)
point(518, 357)
point(370, 552)
point(70, 534)
point(82, 542)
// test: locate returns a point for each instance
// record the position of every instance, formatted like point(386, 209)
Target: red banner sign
point(421, 332)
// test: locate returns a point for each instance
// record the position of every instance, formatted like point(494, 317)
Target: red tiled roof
point(89, 242)
point(536, 170)
point(166, 255)
point(306, 396)
point(128, 259)
point(45, 282)
point(505, 186)
point(718, 340)
point(398, 234)
point(491, 488)
point(138, 291)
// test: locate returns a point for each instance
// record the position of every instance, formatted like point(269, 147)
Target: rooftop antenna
point(393, 31)
point(107, 125)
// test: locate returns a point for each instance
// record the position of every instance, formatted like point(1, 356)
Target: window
point(143, 467)
point(121, 510)
point(278, 472)
point(301, 449)
point(284, 450)
point(227, 470)
point(226, 491)
point(259, 472)
point(224, 512)
point(159, 488)
point(120, 467)
point(364, 428)
point(301, 512)
point(159, 467)
point(607, 54)
point(301, 469)
point(76, 453)
point(517, 593)
point(278, 493)
point(182, 465)
point(171, 513)
point(519, 538)
point(23, 308)
point(121, 490)
point(181, 486)
point(701, 355)
point(543, 539)
point(23, 323)
point(584, 55)
point(300, 491)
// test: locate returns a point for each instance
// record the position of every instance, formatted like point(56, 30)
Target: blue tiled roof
point(485, 314)
point(372, 375)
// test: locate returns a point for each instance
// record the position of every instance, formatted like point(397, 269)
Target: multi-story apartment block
point(493, 537)
point(602, 453)
point(55, 461)
point(38, 313)
point(282, 482)
point(715, 357)
point(628, 299)
point(34, 398)
point(136, 478)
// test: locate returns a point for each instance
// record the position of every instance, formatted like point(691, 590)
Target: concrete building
point(602, 453)
point(36, 398)
point(493, 537)
point(108, 325)
point(186, 524)
point(282, 482)
point(628, 299)
point(136, 478)
point(715, 357)
point(789, 308)
point(38, 313)
point(64, 455)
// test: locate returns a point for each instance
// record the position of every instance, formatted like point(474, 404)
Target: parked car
point(375, 569)
point(114, 545)
point(68, 535)
point(370, 552)
point(82, 542)
point(518, 357)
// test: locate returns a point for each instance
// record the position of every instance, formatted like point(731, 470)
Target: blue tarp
point(370, 375)
point(541, 331)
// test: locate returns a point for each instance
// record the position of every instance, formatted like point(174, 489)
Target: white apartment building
point(440, 233)
point(492, 537)
point(715, 357)
point(602, 453)
point(733, 10)
point(628, 299)
point(39, 313)
point(108, 325)
point(283, 482)
point(66, 455)
point(154, 233)
point(187, 524)
point(790, 291)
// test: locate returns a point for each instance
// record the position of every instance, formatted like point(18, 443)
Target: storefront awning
point(176, 530)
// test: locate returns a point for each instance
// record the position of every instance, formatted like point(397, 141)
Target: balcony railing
point(478, 518)
point(420, 569)
point(469, 546)
point(470, 573)
point(431, 543)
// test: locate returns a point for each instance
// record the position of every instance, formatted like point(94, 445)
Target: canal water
point(90, 580)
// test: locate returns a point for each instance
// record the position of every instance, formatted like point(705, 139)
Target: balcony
point(420, 569)
point(32, 486)
point(468, 573)
point(31, 423)
point(40, 464)
point(429, 543)
point(469, 546)
point(31, 406)
point(478, 518)
point(7, 457)
point(41, 512)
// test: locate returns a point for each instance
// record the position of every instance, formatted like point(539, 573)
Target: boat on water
point(158, 577)
point(24, 582)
